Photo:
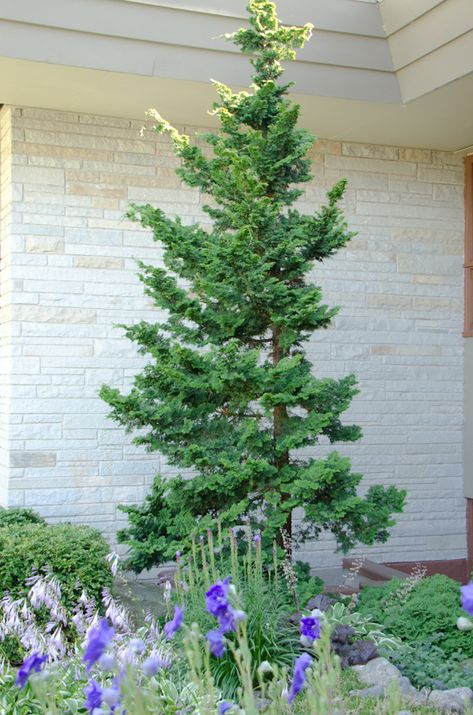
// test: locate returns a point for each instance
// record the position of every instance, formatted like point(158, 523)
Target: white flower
point(464, 624)
point(317, 613)
point(167, 591)
point(265, 667)
point(306, 642)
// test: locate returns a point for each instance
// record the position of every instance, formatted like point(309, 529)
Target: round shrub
point(10, 517)
point(432, 606)
point(75, 554)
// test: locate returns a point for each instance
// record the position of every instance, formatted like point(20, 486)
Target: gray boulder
point(378, 671)
point(451, 701)
point(374, 691)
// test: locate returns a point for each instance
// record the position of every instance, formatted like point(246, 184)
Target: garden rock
point(451, 701)
point(375, 691)
point(408, 692)
point(378, 671)
point(322, 602)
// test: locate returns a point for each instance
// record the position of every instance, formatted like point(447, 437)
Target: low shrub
point(10, 517)
point(307, 586)
point(425, 664)
point(432, 606)
point(75, 554)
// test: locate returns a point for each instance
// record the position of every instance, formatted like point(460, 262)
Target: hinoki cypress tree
point(228, 391)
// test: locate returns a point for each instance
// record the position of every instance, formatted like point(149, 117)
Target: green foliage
point(10, 517)
point(63, 686)
point(11, 650)
point(425, 664)
point(75, 554)
point(307, 586)
point(13, 700)
point(431, 607)
point(339, 614)
point(262, 594)
point(228, 390)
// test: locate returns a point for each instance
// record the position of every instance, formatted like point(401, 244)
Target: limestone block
point(39, 175)
point(44, 244)
point(43, 314)
point(32, 459)
point(371, 151)
point(106, 262)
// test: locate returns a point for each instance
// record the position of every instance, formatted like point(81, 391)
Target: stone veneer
point(68, 275)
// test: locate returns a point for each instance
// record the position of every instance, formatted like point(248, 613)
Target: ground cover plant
point(431, 607)
point(228, 390)
point(433, 651)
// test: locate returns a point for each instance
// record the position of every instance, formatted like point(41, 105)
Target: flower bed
point(230, 643)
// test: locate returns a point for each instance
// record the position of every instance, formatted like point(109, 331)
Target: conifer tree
point(228, 391)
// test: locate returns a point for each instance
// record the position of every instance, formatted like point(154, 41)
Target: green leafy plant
point(432, 606)
point(228, 390)
point(263, 595)
point(75, 554)
point(339, 614)
point(15, 701)
point(10, 517)
point(307, 586)
point(425, 664)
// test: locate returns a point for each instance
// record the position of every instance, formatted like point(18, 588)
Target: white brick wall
point(68, 274)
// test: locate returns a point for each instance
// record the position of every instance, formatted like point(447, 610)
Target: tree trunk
point(280, 417)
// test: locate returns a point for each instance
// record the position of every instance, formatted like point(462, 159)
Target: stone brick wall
point(68, 275)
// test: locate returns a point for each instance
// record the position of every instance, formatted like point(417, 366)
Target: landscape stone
point(374, 691)
point(451, 701)
point(378, 671)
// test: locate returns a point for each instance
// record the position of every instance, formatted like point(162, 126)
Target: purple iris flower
point(33, 664)
point(216, 598)
point(217, 646)
point(310, 628)
point(171, 627)
point(93, 693)
point(98, 639)
point(227, 620)
point(467, 598)
point(218, 605)
point(224, 707)
point(301, 664)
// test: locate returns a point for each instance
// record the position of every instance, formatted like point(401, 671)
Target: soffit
point(439, 120)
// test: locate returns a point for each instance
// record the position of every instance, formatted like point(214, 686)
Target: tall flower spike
point(98, 639)
point(216, 643)
point(299, 678)
point(171, 627)
point(33, 664)
point(218, 605)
